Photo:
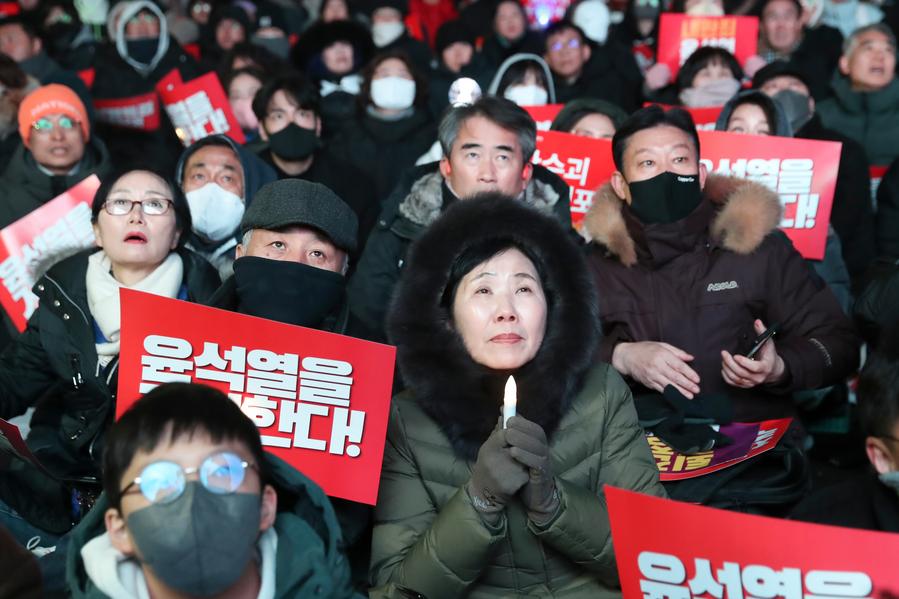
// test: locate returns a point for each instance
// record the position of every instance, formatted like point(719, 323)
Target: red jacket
point(699, 284)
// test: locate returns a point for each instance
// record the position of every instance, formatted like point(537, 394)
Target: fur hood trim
point(463, 397)
point(424, 204)
point(747, 212)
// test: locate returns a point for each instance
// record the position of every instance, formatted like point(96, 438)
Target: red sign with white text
point(199, 108)
point(802, 171)
point(584, 163)
point(680, 35)
point(320, 400)
point(544, 115)
point(56, 230)
point(135, 112)
point(668, 549)
point(748, 439)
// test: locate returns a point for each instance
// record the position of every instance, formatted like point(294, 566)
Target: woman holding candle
point(466, 506)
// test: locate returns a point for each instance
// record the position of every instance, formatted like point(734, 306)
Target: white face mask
point(393, 93)
point(215, 212)
point(384, 33)
point(592, 16)
point(526, 95)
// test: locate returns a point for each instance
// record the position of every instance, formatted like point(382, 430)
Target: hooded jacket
point(417, 202)
point(309, 559)
point(25, 187)
point(781, 126)
point(699, 284)
point(870, 118)
point(493, 90)
point(256, 173)
point(53, 366)
point(428, 537)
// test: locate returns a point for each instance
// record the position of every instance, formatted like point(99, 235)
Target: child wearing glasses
point(192, 506)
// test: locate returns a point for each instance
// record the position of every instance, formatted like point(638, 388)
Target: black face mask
point(294, 142)
point(61, 35)
point(287, 292)
point(143, 50)
point(665, 198)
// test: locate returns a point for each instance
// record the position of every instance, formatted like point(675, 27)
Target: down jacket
point(699, 284)
point(428, 537)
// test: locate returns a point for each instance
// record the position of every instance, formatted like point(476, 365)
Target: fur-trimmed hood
point(424, 203)
point(463, 397)
point(746, 212)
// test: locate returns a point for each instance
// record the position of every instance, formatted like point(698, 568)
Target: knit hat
point(450, 33)
point(778, 68)
point(298, 202)
point(51, 99)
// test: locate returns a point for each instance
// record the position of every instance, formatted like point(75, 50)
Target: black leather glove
point(530, 448)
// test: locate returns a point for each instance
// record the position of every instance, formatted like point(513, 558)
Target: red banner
point(135, 112)
point(704, 118)
point(583, 162)
point(320, 400)
point(667, 549)
point(9, 9)
point(544, 115)
point(199, 108)
point(680, 35)
point(747, 441)
point(802, 171)
point(56, 230)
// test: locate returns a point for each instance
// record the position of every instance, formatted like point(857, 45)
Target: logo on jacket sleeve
point(722, 286)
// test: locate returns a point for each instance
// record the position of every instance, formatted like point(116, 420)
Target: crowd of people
point(376, 197)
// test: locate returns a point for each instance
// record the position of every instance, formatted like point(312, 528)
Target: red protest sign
point(135, 112)
point(583, 162)
point(199, 108)
point(748, 440)
point(802, 171)
point(680, 35)
point(169, 81)
point(9, 9)
point(544, 115)
point(670, 549)
point(704, 118)
point(320, 400)
point(56, 230)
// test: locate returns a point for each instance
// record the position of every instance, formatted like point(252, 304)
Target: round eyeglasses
point(163, 481)
point(121, 206)
point(45, 125)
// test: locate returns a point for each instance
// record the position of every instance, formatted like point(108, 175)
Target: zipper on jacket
point(77, 379)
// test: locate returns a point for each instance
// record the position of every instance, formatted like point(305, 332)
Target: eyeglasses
point(573, 43)
point(221, 473)
point(45, 125)
point(121, 206)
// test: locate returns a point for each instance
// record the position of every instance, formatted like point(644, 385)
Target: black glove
point(496, 476)
point(530, 448)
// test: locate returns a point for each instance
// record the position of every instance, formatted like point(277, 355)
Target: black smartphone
point(761, 340)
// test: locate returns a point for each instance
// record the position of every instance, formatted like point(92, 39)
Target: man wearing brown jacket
point(690, 269)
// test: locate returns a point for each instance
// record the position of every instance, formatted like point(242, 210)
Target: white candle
point(510, 400)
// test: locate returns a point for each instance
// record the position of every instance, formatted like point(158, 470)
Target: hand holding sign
point(746, 373)
point(656, 365)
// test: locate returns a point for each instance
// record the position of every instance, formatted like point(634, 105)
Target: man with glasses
point(192, 506)
point(582, 70)
point(57, 152)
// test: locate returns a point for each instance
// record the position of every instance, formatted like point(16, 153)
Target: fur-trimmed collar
point(463, 397)
point(747, 212)
point(425, 200)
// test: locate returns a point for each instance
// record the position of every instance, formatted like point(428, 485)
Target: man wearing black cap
point(852, 216)
point(456, 57)
point(295, 240)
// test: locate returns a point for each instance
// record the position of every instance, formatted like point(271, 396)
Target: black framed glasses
point(221, 473)
point(152, 207)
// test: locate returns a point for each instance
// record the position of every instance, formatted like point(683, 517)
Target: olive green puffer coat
point(429, 538)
